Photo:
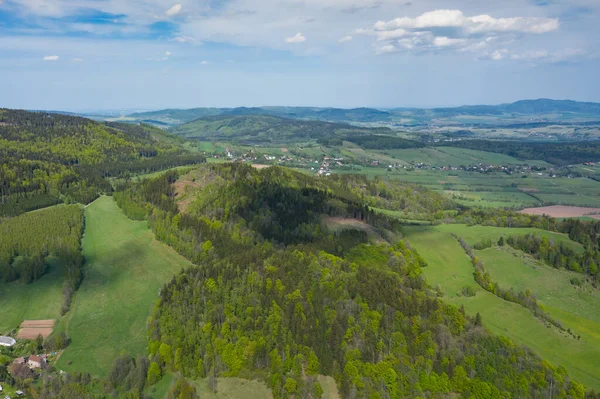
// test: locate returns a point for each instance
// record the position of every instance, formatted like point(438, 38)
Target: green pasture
point(227, 388)
point(552, 287)
point(475, 234)
point(443, 156)
point(125, 268)
point(450, 270)
point(41, 299)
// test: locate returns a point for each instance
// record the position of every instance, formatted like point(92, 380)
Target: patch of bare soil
point(259, 166)
point(562, 211)
point(30, 329)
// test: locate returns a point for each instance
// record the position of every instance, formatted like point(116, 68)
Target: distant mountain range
point(520, 111)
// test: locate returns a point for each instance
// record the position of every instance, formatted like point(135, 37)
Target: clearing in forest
point(125, 268)
point(227, 388)
point(339, 223)
point(450, 270)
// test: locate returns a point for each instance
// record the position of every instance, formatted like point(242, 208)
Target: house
point(19, 360)
point(7, 341)
point(36, 362)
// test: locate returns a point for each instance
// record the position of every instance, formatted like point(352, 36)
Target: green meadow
point(227, 388)
point(41, 299)
point(449, 270)
point(475, 234)
point(125, 268)
point(234, 388)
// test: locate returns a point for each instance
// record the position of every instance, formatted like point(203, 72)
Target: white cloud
point(184, 39)
point(345, 39)
point(51, 58)
point(165, 57)
point(297, 38)
point(470, 25)
point(545, 56)
point(451, 30)
point(437, 18)
point(76, 59)
point(176, 9)
point(498, 55)
point(204, 62)
point(388, 48)
point(443, 41)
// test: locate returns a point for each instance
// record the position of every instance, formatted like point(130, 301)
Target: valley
point(211, 249)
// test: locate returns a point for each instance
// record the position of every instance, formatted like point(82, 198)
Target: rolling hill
point(50, 158)
point(553, 109)
point(261, 129)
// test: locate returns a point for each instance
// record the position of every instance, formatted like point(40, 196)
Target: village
point(326, 165)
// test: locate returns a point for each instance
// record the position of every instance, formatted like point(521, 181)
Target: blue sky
point(148, 54)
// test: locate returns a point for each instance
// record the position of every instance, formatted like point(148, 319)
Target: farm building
point(36, 362)
point(7, 341)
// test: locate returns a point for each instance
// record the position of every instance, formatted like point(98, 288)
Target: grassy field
point(450, 270)
point(497, 189)
point(227, 388)
point(235, 388)
point(125, 268)
point(474, 234)
point(39, 300)
point(442, 156)
point(551, 286)
point(575, 307)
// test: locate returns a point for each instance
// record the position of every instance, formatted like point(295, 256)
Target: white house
point(7, 341)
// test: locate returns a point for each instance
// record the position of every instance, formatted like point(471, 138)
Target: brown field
point(560, 211)
point(259, 166)
point(30, 329)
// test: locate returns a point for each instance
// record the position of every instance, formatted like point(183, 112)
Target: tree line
point(28, 241)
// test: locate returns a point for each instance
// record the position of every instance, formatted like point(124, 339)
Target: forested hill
point(365, 115)
point(279, 294)
point(51, 158)
point(257, 129)
point(523, 107)
point(180, 116)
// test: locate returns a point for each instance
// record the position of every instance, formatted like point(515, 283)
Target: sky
point(149, 54)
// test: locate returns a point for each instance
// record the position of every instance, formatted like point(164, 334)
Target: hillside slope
point(50, 158)
point(274, 296)
point(264, 129)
